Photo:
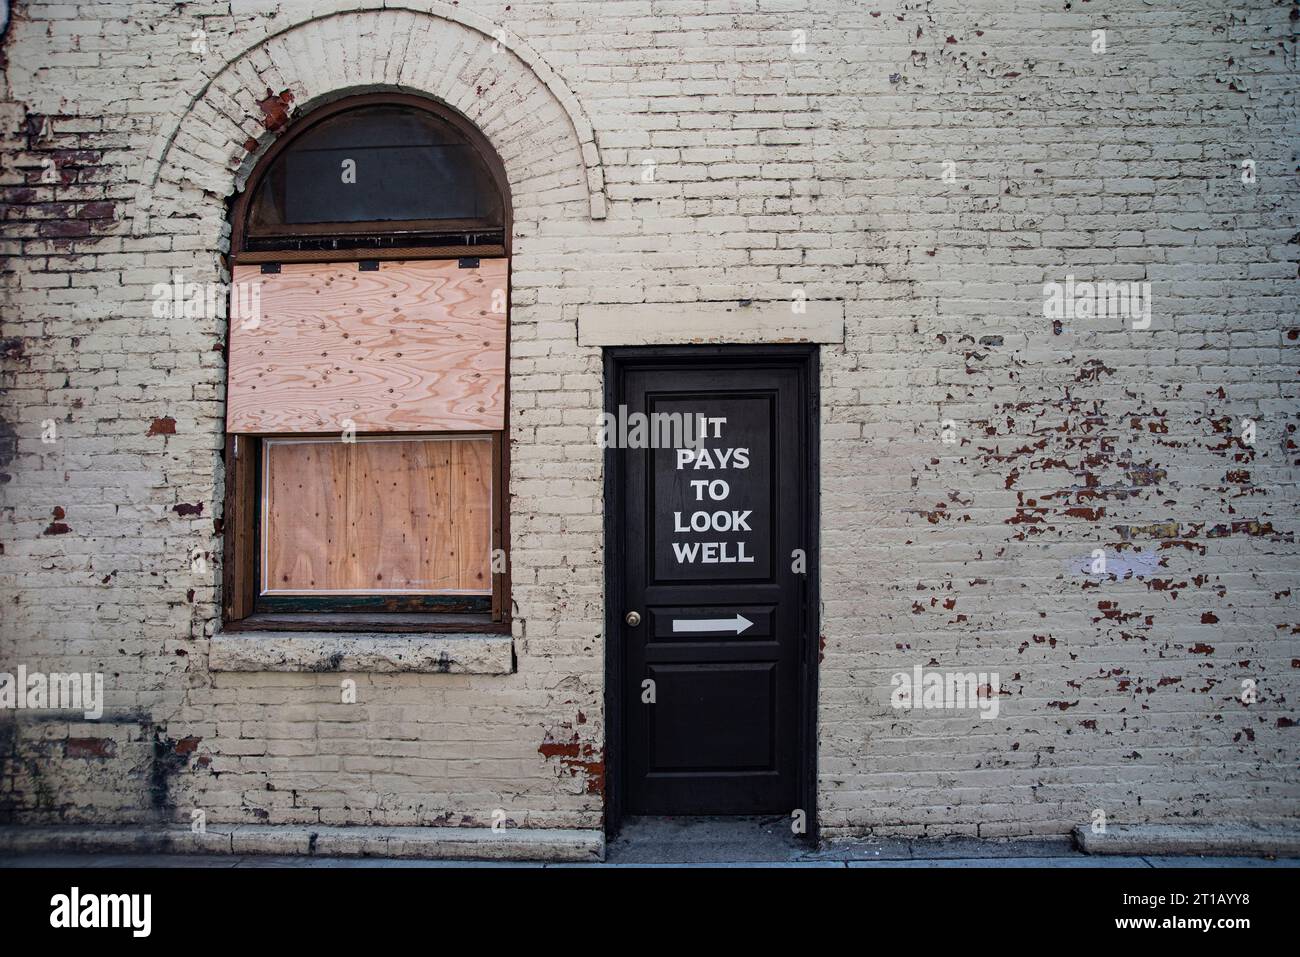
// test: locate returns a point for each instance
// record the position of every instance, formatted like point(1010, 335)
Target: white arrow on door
point(737, 624)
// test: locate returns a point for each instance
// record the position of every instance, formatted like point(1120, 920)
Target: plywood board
point(409, 347)
point(377, 516)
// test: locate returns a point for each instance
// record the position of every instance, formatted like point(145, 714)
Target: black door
point(714, 560)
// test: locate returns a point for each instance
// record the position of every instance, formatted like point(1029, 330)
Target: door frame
point(617, 361)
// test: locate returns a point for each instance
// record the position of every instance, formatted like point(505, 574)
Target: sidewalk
point(711, 842)
point(988, 861)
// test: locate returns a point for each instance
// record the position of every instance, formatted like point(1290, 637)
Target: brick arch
point(213, 134)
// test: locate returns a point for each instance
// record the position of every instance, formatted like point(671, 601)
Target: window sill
point(425, 623)
point(364, 652)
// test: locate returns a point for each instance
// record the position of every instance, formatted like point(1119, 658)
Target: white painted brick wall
point(773, 170)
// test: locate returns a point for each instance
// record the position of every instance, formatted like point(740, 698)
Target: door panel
point(709, 533)
point(734, 701)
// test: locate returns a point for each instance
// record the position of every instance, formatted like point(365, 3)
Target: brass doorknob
point(633, 618)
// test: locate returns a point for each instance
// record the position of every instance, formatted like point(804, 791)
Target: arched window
point(391, 173)
point(366, 388)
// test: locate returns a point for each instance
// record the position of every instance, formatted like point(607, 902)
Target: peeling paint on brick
point(91, 748)
point(275, 109)
point(1072, 435)
point(58, 526)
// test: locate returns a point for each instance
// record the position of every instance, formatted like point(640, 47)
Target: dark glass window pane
point(376, 165)
point(392, 183)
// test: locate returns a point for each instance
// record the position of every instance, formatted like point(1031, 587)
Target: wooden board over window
point(408, 347)
point(378, 515)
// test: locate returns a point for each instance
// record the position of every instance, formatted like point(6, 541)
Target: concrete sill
point(453, 654)
point(419, 843)
point(1279, 839)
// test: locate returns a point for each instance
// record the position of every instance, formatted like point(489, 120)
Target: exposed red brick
point(64, 229)
point(90, 748)
point(101, 210)
point(57, 527)
point(275, 109)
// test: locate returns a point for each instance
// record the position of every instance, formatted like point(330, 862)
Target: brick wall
point(775, 170)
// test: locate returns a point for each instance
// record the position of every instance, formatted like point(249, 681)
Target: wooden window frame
point(242, 607)
point(245, 608)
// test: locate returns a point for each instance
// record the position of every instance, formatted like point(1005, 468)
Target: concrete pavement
point(714, 842)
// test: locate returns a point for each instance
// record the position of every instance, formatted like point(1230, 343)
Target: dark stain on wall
point(8, 448)
point(170, 758)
